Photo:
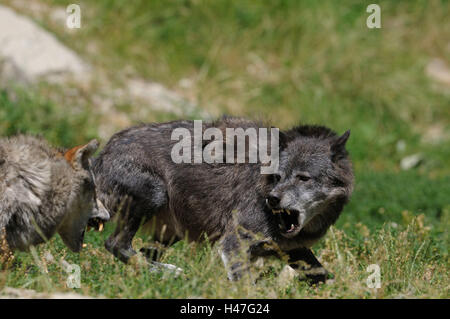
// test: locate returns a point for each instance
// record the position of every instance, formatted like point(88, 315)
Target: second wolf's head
point(314, 180)
point(82, 204)
point(44, 190)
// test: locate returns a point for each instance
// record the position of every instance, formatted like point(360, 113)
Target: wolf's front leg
point(120, 242)
point(314, 270)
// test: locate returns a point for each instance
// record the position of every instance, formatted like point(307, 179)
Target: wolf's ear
point(338, 146)
point(79, 156)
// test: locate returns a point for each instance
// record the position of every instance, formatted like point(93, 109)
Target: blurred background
point(287, 61)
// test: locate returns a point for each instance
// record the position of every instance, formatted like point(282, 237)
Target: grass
point(411, 263)
point(289, 61)
point(26, 112)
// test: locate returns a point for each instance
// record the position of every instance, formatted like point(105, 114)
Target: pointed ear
point(338, 146)
point(78, 157)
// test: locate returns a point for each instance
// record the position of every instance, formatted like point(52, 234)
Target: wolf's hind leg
point(314, 271)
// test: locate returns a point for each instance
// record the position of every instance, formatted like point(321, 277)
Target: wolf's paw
point(122, 253)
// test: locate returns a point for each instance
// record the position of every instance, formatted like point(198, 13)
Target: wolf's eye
point(303, 177)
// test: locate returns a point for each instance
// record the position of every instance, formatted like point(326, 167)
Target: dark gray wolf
point(44, 190)
point(282, 214)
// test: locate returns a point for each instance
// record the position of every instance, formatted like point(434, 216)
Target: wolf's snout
point(100, 211)
point(273, 201)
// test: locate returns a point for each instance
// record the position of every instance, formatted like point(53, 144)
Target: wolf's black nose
point(273, 201)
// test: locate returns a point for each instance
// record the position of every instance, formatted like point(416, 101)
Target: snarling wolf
point(44, 190)
point(278, 214)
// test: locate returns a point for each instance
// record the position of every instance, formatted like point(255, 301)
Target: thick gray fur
point(44, 190)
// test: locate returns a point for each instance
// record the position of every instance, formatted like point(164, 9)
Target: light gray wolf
point(282, 214)
point(43, 191)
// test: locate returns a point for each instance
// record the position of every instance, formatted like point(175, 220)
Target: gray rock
point(169, 268)
point(411, 161)
point(11, 73)
point(158, 97)
point(30, 53)
point(401, 146)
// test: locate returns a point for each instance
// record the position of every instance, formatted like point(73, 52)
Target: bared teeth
point(100, 227)
point(288, 211)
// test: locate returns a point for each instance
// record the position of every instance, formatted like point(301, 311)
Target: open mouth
point(96, 223)
point(288, 221)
